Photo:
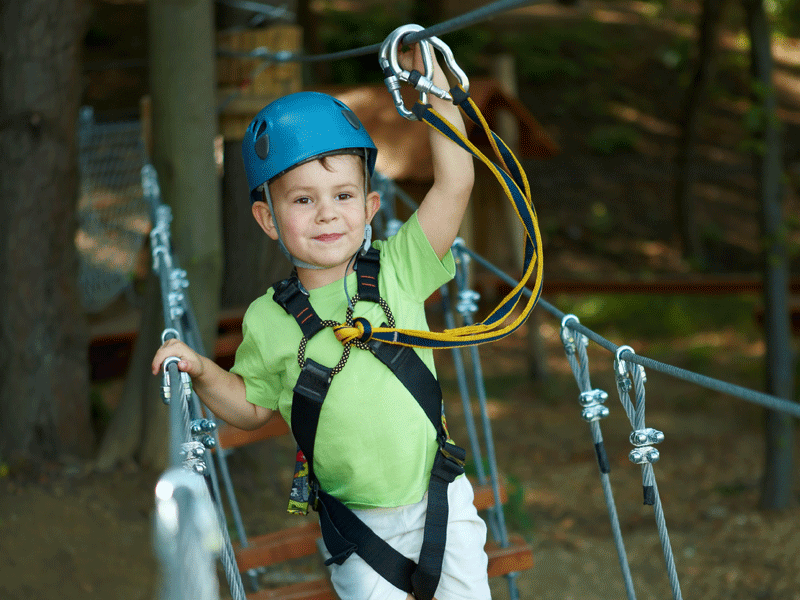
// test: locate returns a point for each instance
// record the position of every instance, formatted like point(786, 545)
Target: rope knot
point(360, 330)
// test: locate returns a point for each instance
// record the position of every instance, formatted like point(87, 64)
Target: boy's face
point(321, 212)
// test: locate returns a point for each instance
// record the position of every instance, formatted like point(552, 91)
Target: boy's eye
point(303, 200)
point(344, 196)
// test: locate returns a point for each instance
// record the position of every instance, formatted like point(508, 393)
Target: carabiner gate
point(394, 73)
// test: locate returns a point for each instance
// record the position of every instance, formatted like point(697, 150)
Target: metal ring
point(566, 318)
point(620, 350)
point(167, 331)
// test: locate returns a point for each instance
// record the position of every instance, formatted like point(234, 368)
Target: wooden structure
point(246, 85)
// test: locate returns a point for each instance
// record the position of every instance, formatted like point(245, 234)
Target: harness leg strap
point(445, 469)
point(385, 560)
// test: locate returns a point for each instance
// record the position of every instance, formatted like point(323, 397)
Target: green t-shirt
point(374, 445)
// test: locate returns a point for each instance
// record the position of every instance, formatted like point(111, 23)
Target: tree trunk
point(44, 387)
point(184, 124)
point(183, 89)
point(140, 426)
point(685, 205)
point(776, 489)
point(318, 72)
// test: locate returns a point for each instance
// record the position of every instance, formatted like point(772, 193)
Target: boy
point(374, 447)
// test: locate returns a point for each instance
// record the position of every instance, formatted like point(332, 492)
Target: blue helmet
point(297, 128)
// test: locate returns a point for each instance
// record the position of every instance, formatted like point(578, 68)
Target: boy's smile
point(321, 213)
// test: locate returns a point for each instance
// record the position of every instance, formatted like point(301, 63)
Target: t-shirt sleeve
point(262, 385)
point(419, 271)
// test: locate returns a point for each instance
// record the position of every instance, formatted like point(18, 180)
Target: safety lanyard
point(510, 176)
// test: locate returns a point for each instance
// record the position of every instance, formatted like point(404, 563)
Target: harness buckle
point(286, 289)
point(449, 462)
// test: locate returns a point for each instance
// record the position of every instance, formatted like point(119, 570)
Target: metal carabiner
point(423, 83)
point(394, 73)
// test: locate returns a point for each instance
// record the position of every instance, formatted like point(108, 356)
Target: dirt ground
point(68, 532)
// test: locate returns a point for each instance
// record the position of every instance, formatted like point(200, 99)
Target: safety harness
point(342, 531)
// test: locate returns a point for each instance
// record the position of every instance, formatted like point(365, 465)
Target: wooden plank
point(278, 546)
point(518, 556)
point(484, 496)
point(316, 589)
point(300, 541)
point(233, 437)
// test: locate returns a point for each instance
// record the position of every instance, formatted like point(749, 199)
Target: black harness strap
point(293, 298)
point(342, 531)
point(367, 268)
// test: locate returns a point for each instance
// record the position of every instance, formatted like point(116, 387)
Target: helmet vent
point(352, 118)
point(262, 146)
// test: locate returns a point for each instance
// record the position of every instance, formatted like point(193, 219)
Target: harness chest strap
point(342, 531)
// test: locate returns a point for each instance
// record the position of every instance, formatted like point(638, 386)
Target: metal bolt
point(644, 455)
point(594, 413)
point(645, 437)
point(467, 302)
point(593, 397)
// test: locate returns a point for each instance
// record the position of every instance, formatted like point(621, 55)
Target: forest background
point(612, 83)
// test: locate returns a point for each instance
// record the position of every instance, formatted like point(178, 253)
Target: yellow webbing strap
point(515, 185)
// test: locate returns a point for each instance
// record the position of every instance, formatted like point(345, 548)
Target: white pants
point(464, 566)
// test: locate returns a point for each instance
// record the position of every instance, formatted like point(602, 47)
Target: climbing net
point(113, 215)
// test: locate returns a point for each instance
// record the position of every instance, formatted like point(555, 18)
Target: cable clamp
point(644, 455)
point(593, 397)
point(201, 430)
point(646, 437)
point(467, 302)
point(193, 454)
point(422, 82)
point(594, 413)
point(178, 279)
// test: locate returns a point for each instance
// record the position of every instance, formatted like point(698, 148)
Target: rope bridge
point(184, 527)
point(191, 530)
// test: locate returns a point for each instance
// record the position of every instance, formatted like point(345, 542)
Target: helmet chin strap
point(295, 261)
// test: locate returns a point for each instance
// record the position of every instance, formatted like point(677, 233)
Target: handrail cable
point(593, 409)
point(190, 438)
point(761, 398)
point(631, 378)
point(459, 22)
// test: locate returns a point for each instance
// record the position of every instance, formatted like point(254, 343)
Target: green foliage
point(659, 317)
point(612, 139)
point(562, 52)
point(517, 517)
point(786, 17)
point(344, 30)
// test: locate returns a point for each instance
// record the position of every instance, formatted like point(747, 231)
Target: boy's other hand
point(191, 362)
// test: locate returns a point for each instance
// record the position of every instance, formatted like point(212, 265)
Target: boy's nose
point(326, 211)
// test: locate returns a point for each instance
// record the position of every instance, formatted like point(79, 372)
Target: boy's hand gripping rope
point(509, 174)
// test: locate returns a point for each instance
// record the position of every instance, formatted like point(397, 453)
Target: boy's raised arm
point(442, 210)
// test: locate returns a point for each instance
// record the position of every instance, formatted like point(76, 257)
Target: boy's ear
point(373, 205)
point(263, 215)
